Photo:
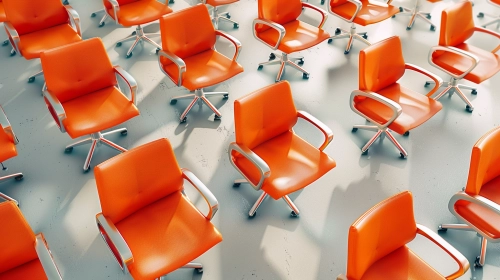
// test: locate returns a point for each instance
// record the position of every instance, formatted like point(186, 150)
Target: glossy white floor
point(61, 201)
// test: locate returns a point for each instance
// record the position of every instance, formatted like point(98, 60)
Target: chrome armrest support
point(181, 65)
point(110, 234)
point(57, 108)
point(318, 124)
point(209, 197)
point(473, 58)
point(132, 84)
point(45, 257)
point(233, 40)
point(437, 80)
point(7, 128)
point(323, 13)
point(259, 163)
point(116, 9)
point(358, 4)
point(13, 36)
point(490, 32)
point(463, 264)
point(278, 27)
point(395, 107)
point(74, 19)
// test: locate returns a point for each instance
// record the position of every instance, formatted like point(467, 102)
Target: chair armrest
point(181, 65)
point(490, 32)
point(358, 4)
point(115, 242)
point(323, 13)
point(278, 27)
point(7, 128)
point(209, 197)
point(437, 80)
point(473, 58)
point(321, 126)
point(45, 257)
point(259, 163)
point(116, 9)
point(55, 108)
point(395, 107)
point(13, 36)
point(233, 40)
point(74, 19)
point(463, 263)
point(132, 84)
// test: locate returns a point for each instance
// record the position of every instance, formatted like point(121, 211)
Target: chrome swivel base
point(103, 19)
point(201, 97)
point(380, 133)
point(484, 242)
point(341, 33)
point(414, 13)
point(496, 19)
point(216, 17)
point(138, 35)
point(453, 87)
point(96, 139)
point(17, 177)
point(284, 60)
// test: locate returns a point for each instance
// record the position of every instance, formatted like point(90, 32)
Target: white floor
point(61, 201)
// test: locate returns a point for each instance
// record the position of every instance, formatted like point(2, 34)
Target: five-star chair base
point(201, 97)
point(484, 242)
point(138, 35)
point(496, 19)
point(216, 17)
point(414, 13)
point(453, 87)
point(284, 60)
point(341, 33)
point(379, 134)
point(103, 19)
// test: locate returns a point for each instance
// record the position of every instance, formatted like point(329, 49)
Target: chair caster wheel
point(68, 150)
point(322, 2)
point(338, 31)
point(428, 16)
point(426, 84)
point(260, 67)
point(293, 214)
point(87, 170)
point(364, 153)
point(119, 44)
point(13, 53)
point(402, 156)
point(441, 229)
point(406, 133)
point(301, 61)
point(225, 96)
point(252, 216)
point(401, 9)
point(171, 1)
point(473, 92)
point(19, 177)
point(469, 109)
point(393, 16)
point(477, 263)
point(157, 51)
point(199, 270)
point(5, 43)
point(305, 76)
point(480, 15)
point(272, 56)
point(93, 14)
point(228, 15)
point(236, 25)
point(217, 118)
point(354, 129)
point(365, 36)
point(31, 79)
point(236, 185)
point(129, 55)
point(346, 52)
point(101, 24)
point(184, 120)
point(330, 40)
point(433, 28)
point(66, 2)
point(125, 132)
point(173, 101)
point(408, 28)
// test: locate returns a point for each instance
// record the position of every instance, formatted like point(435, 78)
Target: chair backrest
point(264, 114)
point(188, 31)
point(384, 228)
point(76, 69)
point(457, 24)
point(17, 240)
point(375, 70)
point(279, 11)
point(28, 16)
point(120, 2)
point(136, 178)
point(484, 162)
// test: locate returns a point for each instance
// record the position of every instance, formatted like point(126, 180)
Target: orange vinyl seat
point(269, 155)
point(83, 95)
point(459, 59)
point(362, 12)
point(24, 255)
point(147, 220)
point(279, 28)
point(8, 142)
point(34, 27)
point(496, 18)
point(135, 13)
point(478, 206)
point(189, 57)
point(216, 16)
point(377, 244)
point(388, 105)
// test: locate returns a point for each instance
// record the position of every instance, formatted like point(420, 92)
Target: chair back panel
point(120, 3)
point(457, 24)
point(335, 3)
point(278, 11)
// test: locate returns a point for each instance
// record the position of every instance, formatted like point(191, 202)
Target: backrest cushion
point(457, 24)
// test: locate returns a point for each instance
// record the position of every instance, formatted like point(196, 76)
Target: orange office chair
point(24, 255)
point(496, 18)
point(383, 101)
point(147, 220)
point(364, 12)
point(136, 12)
point(267, 152)
point(478, 206)
point(37, 26)
point(278, 27)
point(3, 18)
point(216, 16)
point(415, 13)
point(377, 244)
point(83, 95)
point(459, 59)
point(8, 142)
point(189, 57)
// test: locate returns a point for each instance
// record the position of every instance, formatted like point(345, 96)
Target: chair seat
point(496, 2)
point(2, 13)
point(482, 218)
point(417, 108)
point(299, 36)
point(401, 264)
point(7, 147)
point(370, 12)
point(215, 3)
point(97, 111)
point(140, 12)
point(205, 69)
point(33, 44)
point(165, 235)
point(30, 270)
point(488, 66)
point(294, 164)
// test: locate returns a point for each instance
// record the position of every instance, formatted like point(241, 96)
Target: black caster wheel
point(173, 101)
point(480, 15)
point(364, 153)
point(13, 53)
point(199, 270)
point(225, 96)
point(338, 31)
point(217, 118)
point(31, 80)
point(87, 170)
point(236, 25)
point(473, 92)
point(133, 33)
point(433, 28)
point(101, 24)
point(5, 43)
point(393, 16)
point(305, 76)
point(184, 120)
point(129, 55)
point(272, 56)
point(406, 133)
point(401, 9)
point(426, 84)
point(252, 216)
point(293, 214)
point(408, 28)
point(443, 230)
point(125, 132)
point(68, 150)
point(260, 67)
point(119, 44)
point(157, 51)
point(236, 185)
point(19, 177)
point(402, 156)
point(93, 14)
point(365, 36)
point(428, 16)
point(354, 129)
point(476, 262)
point(301, 61)
point(469, 109)
point(171, 1)
point(322, 2)
point(346, 52)
point(66, 2)
point(330, 40)
point(228, 15)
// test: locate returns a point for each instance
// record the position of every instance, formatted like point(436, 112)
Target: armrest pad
point(115, 242)
point(55, 108)
point(278, 27)
point(321, 126)
point(181, 65)
point(132, 84)
point(259, 163)
point(324, 15)
point(212, 202)
point(233, 40)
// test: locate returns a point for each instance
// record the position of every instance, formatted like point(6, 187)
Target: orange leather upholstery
point(136, 12)
point(215, 3)
point(2, 13)
point(7, 146)
point(371, 11)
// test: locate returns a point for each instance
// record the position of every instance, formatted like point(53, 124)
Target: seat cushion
point(205, 69)
point(166, 235)
point(294, 164)
point(140, 12)
point(2, 13)
point(215, 3)
point(370, 12)
point(7, 147)
point(32, 44)
point(417, 108)
point(299, 36)
point(97, 111)
point(401, 264)
point(30, 270)
point(489, 63)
